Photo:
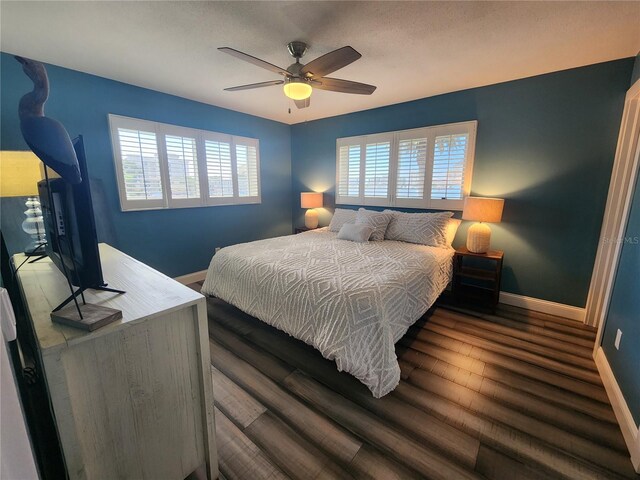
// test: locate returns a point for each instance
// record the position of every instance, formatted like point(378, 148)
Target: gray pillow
point(377, 220)
point(422, 228)
point(355, 233)
point(340, 217)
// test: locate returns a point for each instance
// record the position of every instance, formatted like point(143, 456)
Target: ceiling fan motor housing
point(294, 69)
point(297, 49)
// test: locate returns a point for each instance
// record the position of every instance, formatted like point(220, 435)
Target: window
point(140, 165)
point(376, 170)
point(427, 167)
point(219, 174)
point(349, 171)
point(166, 166)
point(182, 162)
point(232, 165)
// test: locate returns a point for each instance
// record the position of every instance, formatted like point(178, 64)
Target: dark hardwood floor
point(509, 396)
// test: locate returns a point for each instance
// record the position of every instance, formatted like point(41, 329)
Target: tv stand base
point(80, 291)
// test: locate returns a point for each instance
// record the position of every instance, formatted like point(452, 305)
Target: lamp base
point(35, 249)
point(479, 238)
point(311, 219)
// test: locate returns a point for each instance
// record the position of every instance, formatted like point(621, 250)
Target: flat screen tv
point(70, 227)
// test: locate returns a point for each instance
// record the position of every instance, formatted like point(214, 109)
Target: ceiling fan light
point(297, 89)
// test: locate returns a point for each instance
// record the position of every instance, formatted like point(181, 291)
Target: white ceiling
point(409, 50)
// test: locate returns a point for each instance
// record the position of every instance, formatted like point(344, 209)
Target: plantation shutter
point(448, 167)
point(452, 165)
point(411, 170)
point(429, 167)
point(376, 170)
point(219, 169)
point(233, 169)
point(247, 168)
point(182, 165)
point(167, 166)
point(218, 152)
point(349, 171)
point(138, 165)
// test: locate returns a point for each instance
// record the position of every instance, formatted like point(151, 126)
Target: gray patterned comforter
point(351, 301)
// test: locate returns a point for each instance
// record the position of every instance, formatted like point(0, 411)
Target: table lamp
point(20, 173)
point(311, 200)
point(481, 210)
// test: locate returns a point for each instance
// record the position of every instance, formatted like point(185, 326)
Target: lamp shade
point(19, 174)
point(311, 199)
point(481, 209)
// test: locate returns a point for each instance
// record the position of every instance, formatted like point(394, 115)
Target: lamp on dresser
point(481, 210)
point(311, 201)
point(20, 173)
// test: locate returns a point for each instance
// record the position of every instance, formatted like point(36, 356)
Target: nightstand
point(476, 277)
point(297, 230)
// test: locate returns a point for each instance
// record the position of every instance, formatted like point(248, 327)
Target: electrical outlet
point(617, 341)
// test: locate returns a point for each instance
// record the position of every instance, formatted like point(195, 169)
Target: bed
point(351, 301)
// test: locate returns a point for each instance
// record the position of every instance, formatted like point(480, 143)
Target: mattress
point(351, 301)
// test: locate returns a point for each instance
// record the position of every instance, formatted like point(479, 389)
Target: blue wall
point(176, 241)
point(624, 307)
point(546, 144)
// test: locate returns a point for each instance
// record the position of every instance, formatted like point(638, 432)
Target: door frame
point(614, 224)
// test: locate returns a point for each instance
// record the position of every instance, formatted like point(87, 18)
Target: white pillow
point(422, 228)
point(340, 217)
point(452, 228)
point(378, 220)
point(355, 233)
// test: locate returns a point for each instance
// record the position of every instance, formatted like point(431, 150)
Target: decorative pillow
point(356, 233)
point(422, 228)
point(340, 217)
point(378, 220)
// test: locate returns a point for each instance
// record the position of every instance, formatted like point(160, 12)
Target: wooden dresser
point(133, 399)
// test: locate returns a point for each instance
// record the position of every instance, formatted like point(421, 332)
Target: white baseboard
point(192, 277)
point(543, 306)
point(630, 431)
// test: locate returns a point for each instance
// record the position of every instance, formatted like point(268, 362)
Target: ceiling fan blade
point(256, 61)
point(255, 85)
point(303, 103)
point(344, 86)
point(330, 62)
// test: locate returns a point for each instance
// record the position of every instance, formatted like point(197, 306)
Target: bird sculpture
point(45, 136)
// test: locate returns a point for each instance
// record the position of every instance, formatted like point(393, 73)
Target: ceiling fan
point(300, 79)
